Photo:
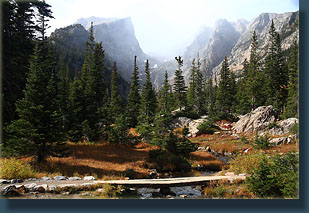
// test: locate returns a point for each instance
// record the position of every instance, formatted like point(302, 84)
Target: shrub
point(294, 129)
point(274, 125)
point(276, 177)
point(245, 163)
point(179, 145)
point(14, 169)
point(244, 140)
point(207, 127)
point(165, 161)
point(261, 142)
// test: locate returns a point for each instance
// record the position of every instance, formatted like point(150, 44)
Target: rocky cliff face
point(284, 24)
point(120, 44)
point(70, 43)
point(233, 40)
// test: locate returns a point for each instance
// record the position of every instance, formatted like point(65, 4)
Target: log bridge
point(171, 182)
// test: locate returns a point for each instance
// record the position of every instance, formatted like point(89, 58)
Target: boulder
point(48, 178)
point(11, 191)
point(74, 178)
point(257, 120)
point(17, 181)
point(31, 186)
point(188, 122)
point(3, 181)
point(89, 178)
point(287, 124)
point(60, 178)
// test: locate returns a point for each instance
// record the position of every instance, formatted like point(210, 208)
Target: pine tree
point(179, 85)
point(37, 131)
point(116, 105)
point(293, 97)
point(148, 99)
point(253, 80)
point(200, 98)
point(276, 74)
point(191, 94)
point(243, 100)
point(164, 95)
point(223, 103)
point(134, 98)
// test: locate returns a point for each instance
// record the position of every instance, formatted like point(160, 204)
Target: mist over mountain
point(231, 39)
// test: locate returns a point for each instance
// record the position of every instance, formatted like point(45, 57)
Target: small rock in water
point(89, 178)
point(3, 181)
point(17, 181)
point(74, 178)
point(48, 178)
point(30, 179)
point(60, 178)
point(183, 196)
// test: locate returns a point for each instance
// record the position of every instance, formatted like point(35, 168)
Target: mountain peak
point(86, 22)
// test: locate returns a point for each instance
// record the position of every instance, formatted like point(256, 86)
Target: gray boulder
point(74, 178)
point(255, 121)
point(89, 178)
point(60, 178)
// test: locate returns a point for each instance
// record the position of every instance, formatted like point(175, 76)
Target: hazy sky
point(166, 27)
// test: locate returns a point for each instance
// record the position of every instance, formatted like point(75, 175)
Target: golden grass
point(206, 160)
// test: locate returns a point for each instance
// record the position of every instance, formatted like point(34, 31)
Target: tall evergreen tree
point(148, 99)
point(275, 72)
point(134, 98)
point(116, 105)
point(37, 131)
point(164, 95)
point(191, 94)
point(243, 99)
point(225, 95)
point(179, 85)
point(200, 98)
point(292, 104)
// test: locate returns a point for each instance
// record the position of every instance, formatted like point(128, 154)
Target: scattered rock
point(279, 141)
point(52, 188)
point(89, 178)
point(183, 196)
point(31, 186)
point(3, 181)
point(31, 179)
point(48, 178)
point(17, 181)
point(11, 191)
point(208, 149)
point(60, 178)
point(201, 148)
point(74, 178)
point(39, 189)
point(287, 124)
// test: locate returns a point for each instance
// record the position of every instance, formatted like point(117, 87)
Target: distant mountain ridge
point(232, 39)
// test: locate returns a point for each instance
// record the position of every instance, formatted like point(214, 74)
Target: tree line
point(54, 108)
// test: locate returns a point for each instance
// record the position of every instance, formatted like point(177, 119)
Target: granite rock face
point(255, 121)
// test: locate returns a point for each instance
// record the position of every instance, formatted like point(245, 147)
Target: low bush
point(261, 142)
point(245, 163)
point(276, 177)
point(164, 161)
point(207, 127)
point(295, 128)
point(15, 169)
